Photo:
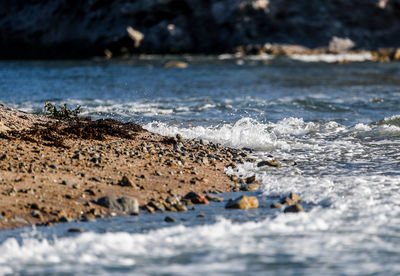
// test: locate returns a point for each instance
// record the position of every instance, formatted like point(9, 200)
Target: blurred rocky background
point(80, 29)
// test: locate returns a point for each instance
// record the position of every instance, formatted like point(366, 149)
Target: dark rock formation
point(124, 204)
point(71, 28)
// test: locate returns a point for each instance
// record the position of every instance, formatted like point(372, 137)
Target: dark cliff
point(72, 28)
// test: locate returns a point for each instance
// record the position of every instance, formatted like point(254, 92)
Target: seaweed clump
point(55, 133)
point(69, 126)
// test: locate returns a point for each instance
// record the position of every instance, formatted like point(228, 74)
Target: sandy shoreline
point(51, 172)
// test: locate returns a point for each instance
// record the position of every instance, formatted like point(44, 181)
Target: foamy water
point(330, 58)
point(334, 128)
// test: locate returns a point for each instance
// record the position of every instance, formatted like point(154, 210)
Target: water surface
point(339, 122)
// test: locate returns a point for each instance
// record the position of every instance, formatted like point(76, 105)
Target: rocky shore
point(61, 170)
point(78, 169)
point(65, 29)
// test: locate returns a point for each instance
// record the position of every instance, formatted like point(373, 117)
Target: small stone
point(296, 208)
point(214, 198)
point(243, 202)
point(150, 209)
point(6, 215)
point(157, 205)
point(175, 64)
point(89, 217)
point(180, 208)
point(75, 230)
point(172, 192)
point(172, 200)
point(179, 137)
point(293, 198)
point(90, 192)
point(64, 219)
point(276, 205)
point(169, 219)
point(171, 164)
point(157, 173)
point(76, 156)
point(196, 198)
point(251, 187)
point(250, 179)
point(204, 142)
point(34, 206)
point(287, 201)
point(126, 181)
point(36, 214)
point(201, 215)
point(126, 204)
point(172, 208)
point(271, 163)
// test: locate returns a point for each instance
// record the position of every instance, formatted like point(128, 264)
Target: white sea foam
point(244, 133)
point(331, 58)
point(247, 132)
point(226, 247)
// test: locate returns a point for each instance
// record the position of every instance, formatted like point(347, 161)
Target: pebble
point(36, 214)
point(296, 208)
point(250, 179)
point(88, 217)
point(64, 219)
point(169, 219)
point(34, 206)
point(243, 202)
point(75, 230)
point(235, 178)
point(293, 198)
point(90, 191)
point(214, 198)
point(157, 173)
point(250, 187)
point(126, 181)
point(126, 204)
point(195, 198)
point(157, 205)
point(276, 205)
point(180, 207)
point(150, 209)
point(271, 163)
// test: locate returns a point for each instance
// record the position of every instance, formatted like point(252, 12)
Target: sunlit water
point(340, 123)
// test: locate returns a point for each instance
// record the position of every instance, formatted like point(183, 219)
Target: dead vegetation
point(54, 133)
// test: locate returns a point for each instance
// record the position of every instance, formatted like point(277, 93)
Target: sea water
point(335, 128)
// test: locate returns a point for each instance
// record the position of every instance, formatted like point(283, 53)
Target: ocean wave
point(248, 132)
point(244, 133)
point(224, 247)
